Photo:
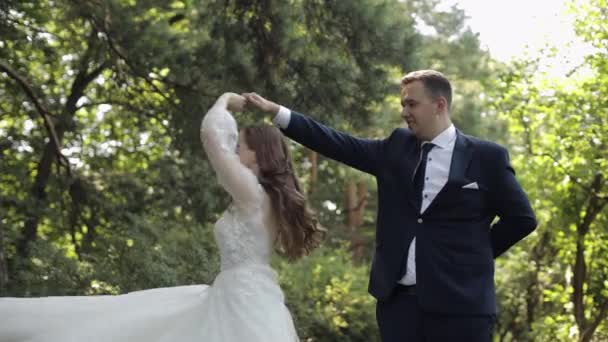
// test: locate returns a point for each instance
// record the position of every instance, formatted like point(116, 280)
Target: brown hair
point(299, 232)
point(434, 82)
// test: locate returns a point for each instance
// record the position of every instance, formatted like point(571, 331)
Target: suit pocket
point(471, 259)
point(459, 199)
point(467, 184)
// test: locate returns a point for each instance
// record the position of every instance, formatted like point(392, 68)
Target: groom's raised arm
point(362, 154)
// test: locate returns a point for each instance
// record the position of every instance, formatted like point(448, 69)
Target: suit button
point(420, 220)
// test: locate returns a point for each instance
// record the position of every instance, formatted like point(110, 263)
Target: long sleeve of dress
point(219, 135)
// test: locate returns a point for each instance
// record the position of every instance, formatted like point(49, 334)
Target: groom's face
point(418, 109)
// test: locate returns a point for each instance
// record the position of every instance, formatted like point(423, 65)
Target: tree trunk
point(586, 325)
point(578, 284)
point(362, 196)
point(356, 201)
point(38, 193)
point(351, 205)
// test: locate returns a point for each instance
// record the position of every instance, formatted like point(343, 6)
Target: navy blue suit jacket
point(456, 242)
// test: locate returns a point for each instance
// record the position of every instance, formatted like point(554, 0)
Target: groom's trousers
point(401, 319)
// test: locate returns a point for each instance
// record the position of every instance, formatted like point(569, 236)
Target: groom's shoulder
point(400, 137)
point(402, 134)
point(484, 145)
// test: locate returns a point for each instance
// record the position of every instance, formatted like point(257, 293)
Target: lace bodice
point(245, 232)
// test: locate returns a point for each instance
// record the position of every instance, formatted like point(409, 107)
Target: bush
point(327, 295)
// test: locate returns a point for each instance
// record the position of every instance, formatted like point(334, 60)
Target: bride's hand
point(261, 103)
point(236, 103)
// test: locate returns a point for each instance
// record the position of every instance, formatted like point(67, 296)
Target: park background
point(105, 189)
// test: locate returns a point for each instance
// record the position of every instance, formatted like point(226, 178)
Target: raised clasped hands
point(256, 101)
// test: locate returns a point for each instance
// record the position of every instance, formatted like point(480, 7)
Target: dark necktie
point(420, 170)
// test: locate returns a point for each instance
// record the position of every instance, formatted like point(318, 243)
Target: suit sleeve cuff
point(282, 118)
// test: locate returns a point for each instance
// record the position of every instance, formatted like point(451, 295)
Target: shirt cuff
point(282, 118)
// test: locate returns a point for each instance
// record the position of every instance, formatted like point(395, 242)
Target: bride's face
point(246, 154)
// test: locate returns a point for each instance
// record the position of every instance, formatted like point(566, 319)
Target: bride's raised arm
point(219, 135)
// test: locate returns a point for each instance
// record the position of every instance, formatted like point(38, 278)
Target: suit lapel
point(461, 157)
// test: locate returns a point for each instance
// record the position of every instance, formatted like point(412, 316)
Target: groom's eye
point(409, 103)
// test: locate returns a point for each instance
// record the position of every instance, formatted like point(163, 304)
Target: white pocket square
point(471, 186)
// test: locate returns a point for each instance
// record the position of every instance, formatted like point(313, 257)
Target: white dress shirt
point(282, 118)
point(436, 176)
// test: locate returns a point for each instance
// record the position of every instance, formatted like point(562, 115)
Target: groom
point(439, 191)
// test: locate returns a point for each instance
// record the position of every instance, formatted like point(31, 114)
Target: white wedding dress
point(244, 303)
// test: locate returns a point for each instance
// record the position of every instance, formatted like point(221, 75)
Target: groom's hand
point(256, 101)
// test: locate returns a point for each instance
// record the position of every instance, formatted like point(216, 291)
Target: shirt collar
point(446, 137)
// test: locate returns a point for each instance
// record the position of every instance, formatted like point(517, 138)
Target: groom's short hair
point(434, 82)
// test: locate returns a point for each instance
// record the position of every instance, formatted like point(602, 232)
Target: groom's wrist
point(282, 117)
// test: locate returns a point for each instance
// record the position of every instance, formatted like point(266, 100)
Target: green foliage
point(554, 287)
point(327, 295)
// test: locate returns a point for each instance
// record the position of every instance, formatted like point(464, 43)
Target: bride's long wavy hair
point(298, 230)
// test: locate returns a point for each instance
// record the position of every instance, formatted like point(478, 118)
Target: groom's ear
point(442, 103)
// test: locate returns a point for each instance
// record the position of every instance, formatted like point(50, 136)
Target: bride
point(245, 302)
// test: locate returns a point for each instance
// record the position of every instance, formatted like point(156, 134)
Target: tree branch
point(601, 316)
point(595, 204)
point(43, 172)
point(41, 109)
point(113, 47)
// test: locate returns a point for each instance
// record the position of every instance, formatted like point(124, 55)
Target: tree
point(559, 127)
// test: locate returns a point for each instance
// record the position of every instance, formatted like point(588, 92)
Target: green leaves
point(327, 296)
point(558, 128)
